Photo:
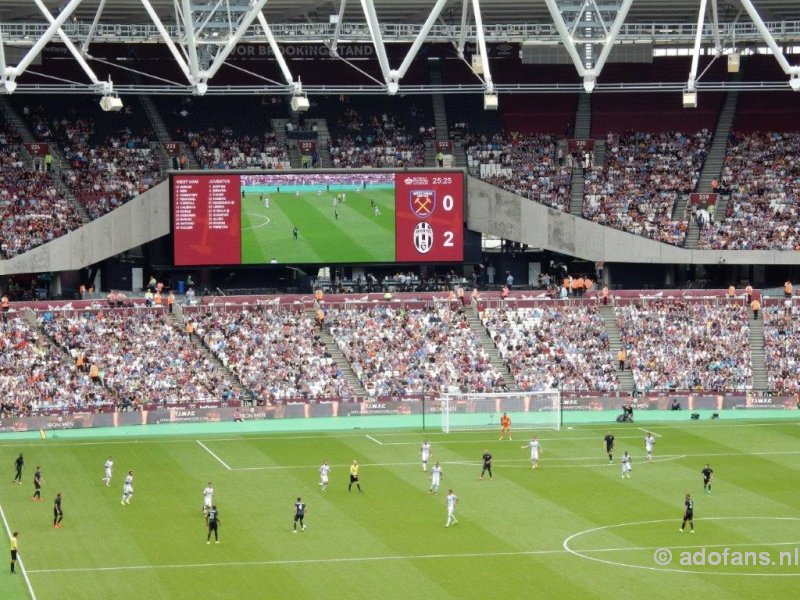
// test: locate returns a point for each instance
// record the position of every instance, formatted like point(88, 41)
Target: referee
point(14, 550)
point(212, 519)
point(354, 477)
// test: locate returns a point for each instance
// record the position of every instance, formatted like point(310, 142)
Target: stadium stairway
point(491, 350)
point(323, 141)
point(578, 190)
point(162, 133)
point(714, 161)
point(679, 210)
point(583, 117)
point(757, 354)
point(719, 144)
point(16, 121)
point(430, 155)
point(233, 381)
point(333, 348)
point(439, 110)
point(599, 152)
point(615, 342)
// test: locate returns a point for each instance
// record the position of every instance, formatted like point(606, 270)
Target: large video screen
point(317, 217)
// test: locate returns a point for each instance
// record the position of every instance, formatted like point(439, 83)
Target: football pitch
point(357, 235)
point(572, 528)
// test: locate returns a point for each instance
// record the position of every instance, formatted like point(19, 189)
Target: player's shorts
point(128, 489)
point(425, 457)
point(108, 474)
point(13, 555)
point(58, 513)
point(37, 485)
point(689, 516)
point(207, 502)
point(297, 516)
point(535, 456)
point(706, 480)
point(648, 448)
point(353, 478)
point(324, 479)
point(487, 466)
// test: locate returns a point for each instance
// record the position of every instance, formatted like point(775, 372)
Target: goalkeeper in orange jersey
point(505, 426)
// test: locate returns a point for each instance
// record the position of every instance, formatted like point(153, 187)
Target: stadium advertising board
point(317, 217)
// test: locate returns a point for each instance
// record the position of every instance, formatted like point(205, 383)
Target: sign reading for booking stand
point(429, 213)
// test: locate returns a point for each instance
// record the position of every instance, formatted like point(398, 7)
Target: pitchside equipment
point(476, 412)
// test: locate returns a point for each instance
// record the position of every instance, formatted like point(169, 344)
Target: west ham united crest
point(423, 202)
point(423, 237)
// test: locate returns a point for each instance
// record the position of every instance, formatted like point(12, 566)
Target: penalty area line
point(377, 441)
point(207, 449)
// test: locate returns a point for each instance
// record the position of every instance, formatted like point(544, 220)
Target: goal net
point(476, 412)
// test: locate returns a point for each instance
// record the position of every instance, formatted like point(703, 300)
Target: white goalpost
point(476, 412)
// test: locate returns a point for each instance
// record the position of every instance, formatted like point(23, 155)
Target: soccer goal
point(476, 412)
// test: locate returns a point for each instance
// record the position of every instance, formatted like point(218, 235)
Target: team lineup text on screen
point(482, 412)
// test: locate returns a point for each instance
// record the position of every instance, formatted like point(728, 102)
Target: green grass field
point(357, 236)
point(570, 529)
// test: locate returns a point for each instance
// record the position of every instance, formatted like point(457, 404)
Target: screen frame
point(228, 172)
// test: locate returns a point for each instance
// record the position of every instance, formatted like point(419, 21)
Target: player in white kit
point(109, 468)
point(535, 447)
point(425, 453)
point(649, 442)
point(208, 498)
point(452, 500)
point(436, 478)
point(626, 465)
point(324, 471)
point(127, 488)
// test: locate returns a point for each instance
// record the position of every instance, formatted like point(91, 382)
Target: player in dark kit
point(37, 485)
point(58, 513)
point(609, 443)
point(299, 514)
point(688, 512)
point(487, 464)
point(212, 520)
point(708, 475)
point(18, 464)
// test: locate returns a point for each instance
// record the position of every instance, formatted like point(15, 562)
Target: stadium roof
point(407, 11)
point(201, 35)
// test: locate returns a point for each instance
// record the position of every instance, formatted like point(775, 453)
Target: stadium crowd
point(679, 345)
point(139, 355)
point(762, 175)
point(107, 175)
point(276, 355)
point(32, 211)
point(375, 141)
point(399, 351)
point(222, 149)
point(554, 346)
point(636, 189)
point(34, 378)
point(781, 348)
point(532, 166)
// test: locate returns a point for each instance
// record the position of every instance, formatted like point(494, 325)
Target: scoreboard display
point(263, 217)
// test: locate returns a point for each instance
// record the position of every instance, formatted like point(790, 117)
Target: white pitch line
point(354, 559)
point(650, 432)
point(207, 449)
point(19, 558)
point(380, 443)
point(664, 458)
